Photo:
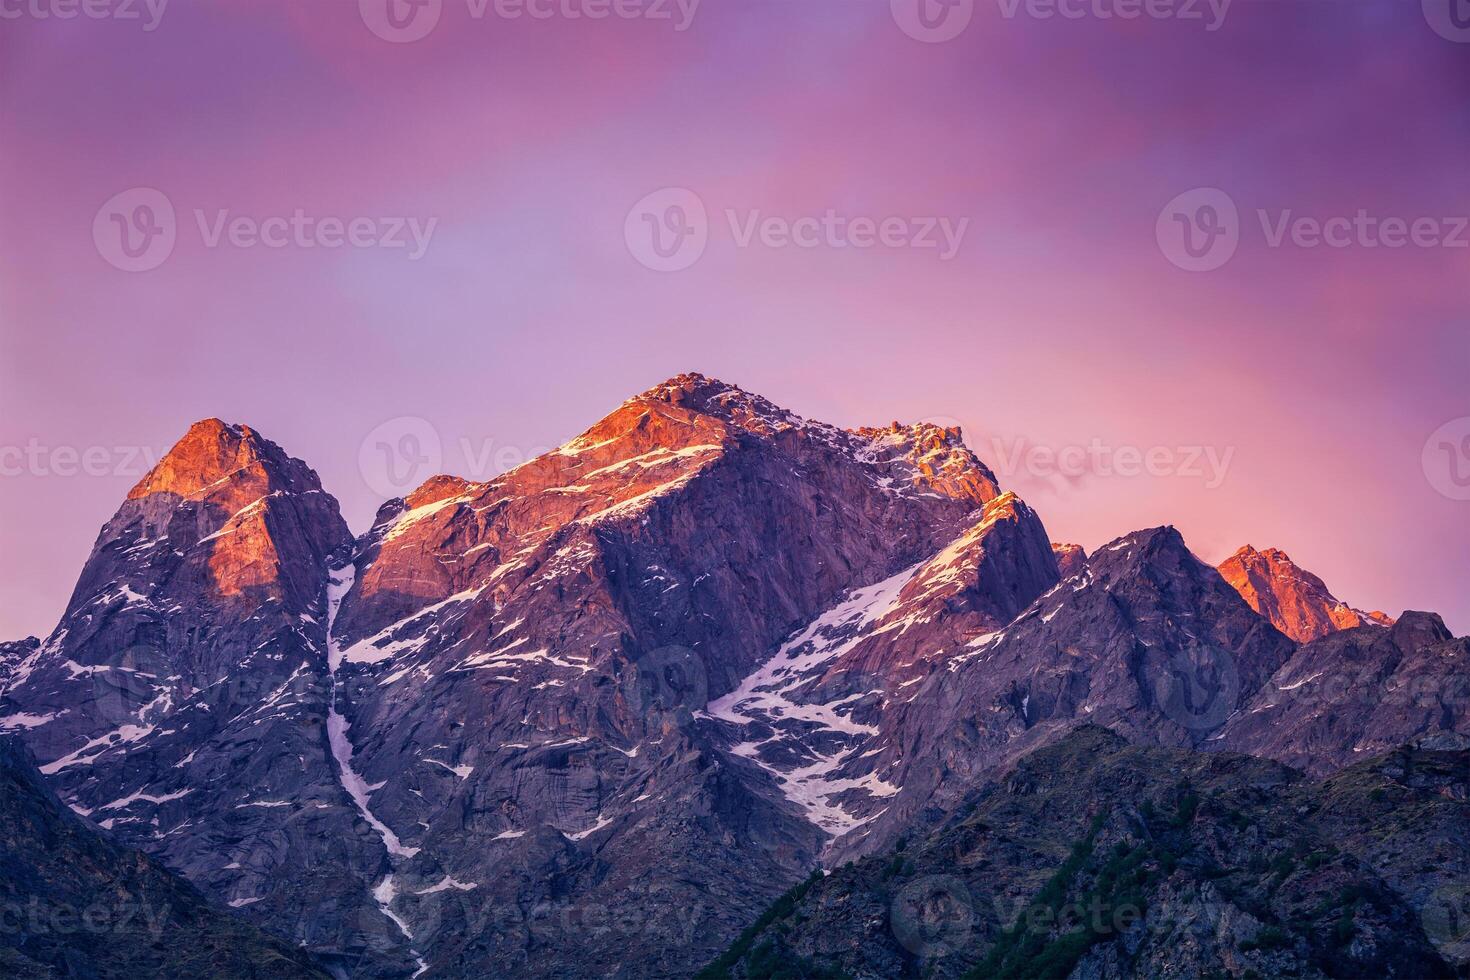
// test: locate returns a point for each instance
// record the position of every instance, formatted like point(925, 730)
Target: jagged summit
point(1071, 558)
point(217, 460)
point(1295, 601)
point(722, 400)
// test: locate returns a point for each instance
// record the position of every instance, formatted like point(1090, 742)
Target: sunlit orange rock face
point(1071, 559)
point(240, 491)
point(1296, 602)
point(689, 463)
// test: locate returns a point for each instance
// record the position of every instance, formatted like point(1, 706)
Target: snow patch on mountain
point(771, 699)
point(357, 788)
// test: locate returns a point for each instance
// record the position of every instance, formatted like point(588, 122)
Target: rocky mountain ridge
point(1296, 602)
point(590, 717)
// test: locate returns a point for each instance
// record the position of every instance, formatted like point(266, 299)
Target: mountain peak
point(1071, 558)
point(213, 452)
point(721, 400)
point(1296, 602)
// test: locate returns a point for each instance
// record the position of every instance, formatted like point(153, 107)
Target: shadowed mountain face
point(1356, 693)
point(75, 904)
point(1146, 640)
point(1293, 599)
point(589, 718)
point(1095, 858)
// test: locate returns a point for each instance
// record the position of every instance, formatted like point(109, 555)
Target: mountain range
point(593, 717)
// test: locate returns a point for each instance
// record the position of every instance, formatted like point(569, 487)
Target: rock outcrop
point(181, 702)
point(1293, 599)
point(1071, 559)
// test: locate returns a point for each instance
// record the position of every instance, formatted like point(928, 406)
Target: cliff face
point(1293, 599)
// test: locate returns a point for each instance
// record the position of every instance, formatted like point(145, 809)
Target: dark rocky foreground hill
point(1094, 858)
point(73, 904)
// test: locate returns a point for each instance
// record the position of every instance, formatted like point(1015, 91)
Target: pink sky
point(1319, 372)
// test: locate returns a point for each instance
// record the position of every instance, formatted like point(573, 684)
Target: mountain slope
point(181, 701)
point(810, 715)
point(79, 905)
point(1293, 599)
point(528, 660)
point(1096, 858)
point(11, 655)
point(1358, 692)
point(1148, 640)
